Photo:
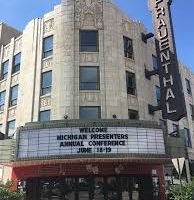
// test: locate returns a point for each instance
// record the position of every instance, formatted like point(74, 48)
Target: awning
point(18, 164)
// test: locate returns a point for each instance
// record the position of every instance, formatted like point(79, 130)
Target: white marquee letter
point(168, 109)
point(166, 67)
point(160, 11)
point(169, 94)
point(161, 23)
point(165, 56)
point(168, 81)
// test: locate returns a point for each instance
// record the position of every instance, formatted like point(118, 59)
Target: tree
point(186, 194)
point(6, 193)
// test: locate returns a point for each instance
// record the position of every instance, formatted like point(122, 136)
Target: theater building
point(77, 78)
point(102, 159)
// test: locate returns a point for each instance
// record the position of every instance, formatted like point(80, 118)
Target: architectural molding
point(18, 46)
point(48, 25)
point(89, 13)
point(45, 101)
point(6, 52)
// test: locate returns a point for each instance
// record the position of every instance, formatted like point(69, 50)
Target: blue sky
point(18, 13)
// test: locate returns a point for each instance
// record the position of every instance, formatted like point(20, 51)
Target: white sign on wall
point(87, 141)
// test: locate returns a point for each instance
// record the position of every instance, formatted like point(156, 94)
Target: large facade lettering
point(172, 99)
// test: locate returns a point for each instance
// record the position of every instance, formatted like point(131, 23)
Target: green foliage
point(6, 193)
point(187, 191)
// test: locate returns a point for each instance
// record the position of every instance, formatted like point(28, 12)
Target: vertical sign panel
point(172, 98)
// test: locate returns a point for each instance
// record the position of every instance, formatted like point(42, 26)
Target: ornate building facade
point(85, 61)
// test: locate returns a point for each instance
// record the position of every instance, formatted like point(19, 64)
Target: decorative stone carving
point(128, 27)
point(47, 63)
point(89, 57)
point(6, 52)
point(48, 25)
point(89, 13)
point(132, 101)
point(45, 101)
point(18, 45)
point(3, 85)
point(15, 79)
point(12, 112)
point(125, 25)
point(129, 64)
point(89, 98)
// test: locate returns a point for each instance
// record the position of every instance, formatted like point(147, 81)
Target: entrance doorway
point(94, 188)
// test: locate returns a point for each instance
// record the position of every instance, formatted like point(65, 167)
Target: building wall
point(5, 173)
point(188, 121)
point(7, 150)
point(6, 33)
point(64, 23)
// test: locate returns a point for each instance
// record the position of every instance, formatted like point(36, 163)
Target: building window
point(11, 128)
point(133, 114)
point(16, 63)
point(46, 83)
point(44, 116)
point(2, 100)
point(158, 95)
point(89, 78)
point(163, 122)
point(154, 62)
point(191, 110)
point(128, 47)
point(13, 95)
point(187, 137)
point(131, 84)
point(48, 46)
point(175, 130)
point(88, 41)
point(4, 70)
point(188, 86)
point(175, 127)
point(1, 128)
point(91, 112)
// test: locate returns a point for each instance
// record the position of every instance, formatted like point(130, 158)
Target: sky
point(18, 13)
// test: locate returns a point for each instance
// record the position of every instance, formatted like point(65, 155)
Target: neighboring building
point(86, 60)
point(7, 154)
point(7, 33)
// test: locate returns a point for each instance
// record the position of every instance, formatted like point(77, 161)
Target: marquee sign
point(89, 141)
point(172, 98)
